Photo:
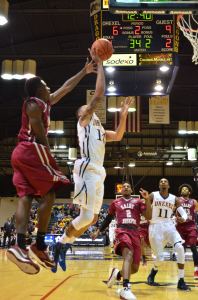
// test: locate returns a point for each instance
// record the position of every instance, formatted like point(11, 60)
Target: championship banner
point(133, 123)
point(101, 110)
point(159, 110)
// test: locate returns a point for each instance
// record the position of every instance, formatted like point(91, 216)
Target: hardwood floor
point(86, 276)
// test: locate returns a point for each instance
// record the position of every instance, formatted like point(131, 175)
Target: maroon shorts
point(35, 170)
point(144, 234)
point(189, 234)
point(128, 238)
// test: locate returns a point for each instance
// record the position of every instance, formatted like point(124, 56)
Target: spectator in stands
point(8, 229)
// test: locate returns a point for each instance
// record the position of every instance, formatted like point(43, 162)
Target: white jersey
point(162, 208)
point(92, 141)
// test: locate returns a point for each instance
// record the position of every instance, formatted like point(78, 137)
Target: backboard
point(154, 6)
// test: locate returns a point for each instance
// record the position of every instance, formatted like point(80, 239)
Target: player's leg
point(80, 224)
point(191, 240)
point(18, 253)
point(38, 250)
point(175, 239)
point(156, 239)
point(195, 260)
point(143, 252)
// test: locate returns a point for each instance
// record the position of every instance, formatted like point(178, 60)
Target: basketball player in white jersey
point(163, 231)
point(89, 173)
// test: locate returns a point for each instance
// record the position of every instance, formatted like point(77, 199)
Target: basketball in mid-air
point(102, 48)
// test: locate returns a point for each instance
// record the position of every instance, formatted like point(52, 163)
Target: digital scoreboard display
point(139, 33)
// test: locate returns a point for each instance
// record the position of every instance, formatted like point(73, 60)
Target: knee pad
point(180, 253)
point(85, 218)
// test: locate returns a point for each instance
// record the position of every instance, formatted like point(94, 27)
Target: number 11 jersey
point(92, 141)
point(162, 208)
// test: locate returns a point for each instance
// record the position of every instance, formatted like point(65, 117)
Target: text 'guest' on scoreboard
point(137, 33)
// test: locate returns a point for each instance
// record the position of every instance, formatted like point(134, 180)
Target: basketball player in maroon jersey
point(127, 211)
point(35, 170)
point(188, 230)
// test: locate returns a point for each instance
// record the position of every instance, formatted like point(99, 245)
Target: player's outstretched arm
point(89, 109)
point(117, 135)
point(102, 227)
point(70, 84)
point(148, 201)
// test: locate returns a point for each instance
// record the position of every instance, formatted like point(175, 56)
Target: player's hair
point(127, 182)
point(77, 112)
point(164, 178)
point(185, 185)
point(31, 86)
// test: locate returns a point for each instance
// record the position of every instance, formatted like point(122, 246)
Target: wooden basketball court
point(87, 272)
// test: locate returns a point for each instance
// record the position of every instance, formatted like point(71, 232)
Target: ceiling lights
point(3, 12)
point(188, 127)
point(18, 69)
point(164, 68)
point(114, 104)
point(158, 86)
point(56, 127)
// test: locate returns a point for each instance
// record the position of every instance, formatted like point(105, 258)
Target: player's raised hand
point(94, 57)
point(144, 193)
point(90, 66)
point(126, 104)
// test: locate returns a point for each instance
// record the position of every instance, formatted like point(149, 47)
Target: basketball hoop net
point(186, 25)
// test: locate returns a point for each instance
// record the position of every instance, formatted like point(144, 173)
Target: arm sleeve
point(182, 212)
point(106, 222)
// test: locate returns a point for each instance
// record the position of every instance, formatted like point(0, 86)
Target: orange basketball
point(102, 48)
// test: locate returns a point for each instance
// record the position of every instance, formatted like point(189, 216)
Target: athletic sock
point(125, 282)
point(64, 239)
point(119, 276)
point(40, 241)
point(21, 240)
point(180, 273)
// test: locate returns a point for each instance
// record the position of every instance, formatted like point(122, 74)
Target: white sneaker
point(126, 294)
point(112, 278)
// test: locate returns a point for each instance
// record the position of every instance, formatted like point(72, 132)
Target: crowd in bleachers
point(65, 213)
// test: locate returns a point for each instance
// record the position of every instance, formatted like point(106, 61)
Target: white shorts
point(89, 185)
point(160, 234)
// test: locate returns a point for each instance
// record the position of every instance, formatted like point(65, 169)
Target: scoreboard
point(140, 33)
point(137, 33)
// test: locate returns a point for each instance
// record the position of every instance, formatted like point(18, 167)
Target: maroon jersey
point(35, 170)
point(127, 211)
point(26, 133)
point(189, 206)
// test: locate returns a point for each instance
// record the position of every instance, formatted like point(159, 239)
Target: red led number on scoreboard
point(115, 30)
point(169, 28)
point(168, 43)
point(137, 30)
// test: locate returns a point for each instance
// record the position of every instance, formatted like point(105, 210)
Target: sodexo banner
point(121, 60)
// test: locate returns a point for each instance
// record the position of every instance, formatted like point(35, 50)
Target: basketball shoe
point(151, 278)
point(182, 285)
point(126, 294)
point(112, 278)
point(21, 258)
point(60, 251)
point(41, 256)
